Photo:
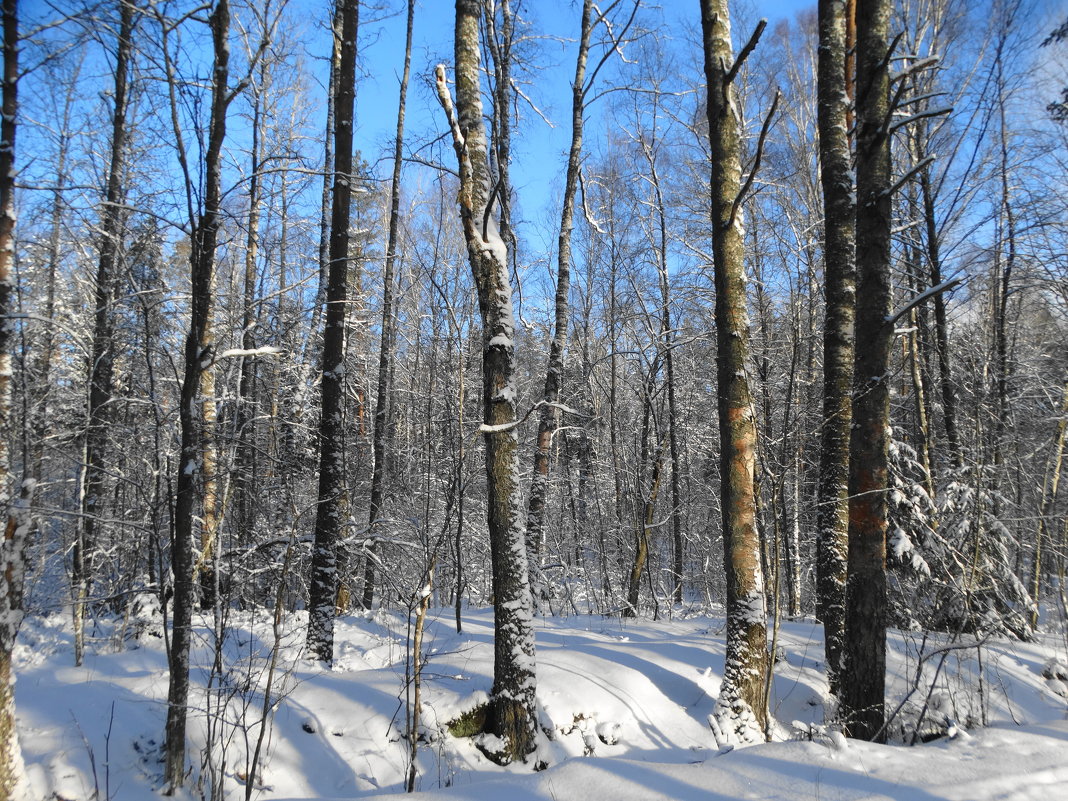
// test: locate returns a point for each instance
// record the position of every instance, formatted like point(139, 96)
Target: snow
point(265, 350)
point(627, 704)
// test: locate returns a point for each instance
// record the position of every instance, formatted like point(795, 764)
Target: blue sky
point(540, 149)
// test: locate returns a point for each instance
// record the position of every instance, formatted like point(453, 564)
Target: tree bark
point(839, 209)
point(945, 369)
point(863, 677)
point(14, 512)
point(513, 716)
point(244, 478)
point(667, 336)
point(741, 706)
point(323, 581)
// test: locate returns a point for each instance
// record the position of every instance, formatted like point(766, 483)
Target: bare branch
point(742, 56)
point(756, 160)
point(920, 115)
point(904, 179)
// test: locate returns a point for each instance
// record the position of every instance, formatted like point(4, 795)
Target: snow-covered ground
point(627, 703)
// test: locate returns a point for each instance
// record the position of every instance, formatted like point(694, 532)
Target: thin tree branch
point(904, 179)
point(924, 296)
point(742, 56)
point(756, 161)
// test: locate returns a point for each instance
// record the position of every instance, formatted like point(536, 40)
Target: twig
point(904, 179)
point(756, 161)
point(742, 56)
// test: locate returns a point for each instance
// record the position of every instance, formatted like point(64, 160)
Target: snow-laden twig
point(485, 428)
point(251, 353)
point(924, 296)
point(445, 98)
point(921, 115)
point(916, 66)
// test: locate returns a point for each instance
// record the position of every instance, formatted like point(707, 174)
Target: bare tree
point(323, 581)
point(199, 355)
point(864, 670)
point(742, 702)
point(512, 714)
point(15, 513)
point(548, 415)
point(386, 346)
point(102, 356)
point(832, 515)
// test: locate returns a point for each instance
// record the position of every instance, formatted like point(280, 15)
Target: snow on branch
point(920, 115)
point(923, 297)
point(501, 428)
point(249, 353)
point(445, 98)
point(919, 65)
point(904, 179)
point(593, 222)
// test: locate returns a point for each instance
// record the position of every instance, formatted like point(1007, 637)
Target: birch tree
point(741, 709)
point(839, 208)
point(15, 512)
point(549, 413)
point(199, 354)
point(512, 715)
point(386, 346)
point(102, 355)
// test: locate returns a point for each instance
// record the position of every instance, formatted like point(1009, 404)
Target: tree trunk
point(244, 477)
point(741, 708)
point(513, 716)
point(385, 351)
point(667, 337)
point(46, 352)
point(13, 545)
point(644, 523)
point(548, 415)
point(328, 183)
point(839, 208)
point(199, 347)
point(103, 348)
point(863, 676)
point(323, 581)
point(1049, 497)
point(945, 370)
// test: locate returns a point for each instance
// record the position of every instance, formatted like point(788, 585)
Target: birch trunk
point(741, 708)
point(548, 416)
point(512, 715)
point(839, 209)
point(385, 352)
point(15, 512)
point(102, 357)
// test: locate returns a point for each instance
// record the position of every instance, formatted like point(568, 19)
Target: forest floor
point(626, 702)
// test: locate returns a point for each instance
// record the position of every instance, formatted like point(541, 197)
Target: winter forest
point(533, 398)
